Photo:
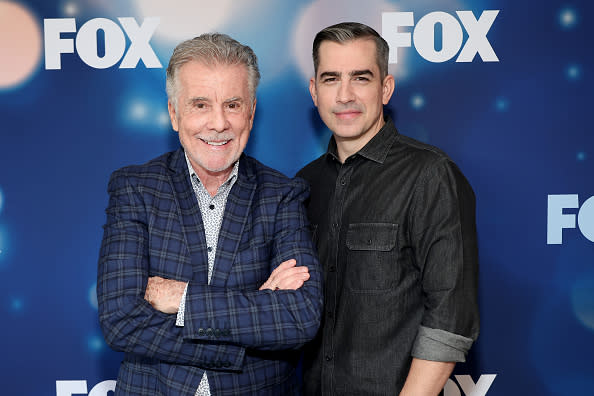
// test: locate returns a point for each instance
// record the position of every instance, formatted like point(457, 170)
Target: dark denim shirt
point(395, 231)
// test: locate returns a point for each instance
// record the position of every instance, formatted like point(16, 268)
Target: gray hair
point(212, 49)
point(348, 31)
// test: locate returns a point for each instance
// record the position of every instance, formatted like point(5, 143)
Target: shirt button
point(342, 181)
point(328, 358)
point(211, 206)
point(332, 268)
point(209, 248)
point(369, 242)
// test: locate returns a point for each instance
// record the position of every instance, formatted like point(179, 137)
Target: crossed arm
point(165, 294)
point(133, 303)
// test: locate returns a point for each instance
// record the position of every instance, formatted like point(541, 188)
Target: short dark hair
point(348, 31)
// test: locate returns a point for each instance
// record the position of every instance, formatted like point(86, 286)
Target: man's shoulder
point(315, 167)
point(429, 160)
point(150, 173)
point(155, 165)
point(419, 150)
point(263, 173)
point(269, 179)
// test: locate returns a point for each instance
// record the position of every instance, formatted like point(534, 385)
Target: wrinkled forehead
point(220, 76)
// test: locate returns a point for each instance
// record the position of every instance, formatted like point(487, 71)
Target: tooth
point(217, 143)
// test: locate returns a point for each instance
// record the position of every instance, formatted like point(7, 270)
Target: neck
point(213, 180)
point(347, 146)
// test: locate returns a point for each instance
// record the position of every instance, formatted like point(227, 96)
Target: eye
point(361, 78)
point(234, 106)
point(329, 80)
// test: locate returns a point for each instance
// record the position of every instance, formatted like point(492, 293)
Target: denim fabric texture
point(395, 231)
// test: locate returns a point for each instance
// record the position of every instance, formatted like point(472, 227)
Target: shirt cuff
point(440, 345)
point(179, 321)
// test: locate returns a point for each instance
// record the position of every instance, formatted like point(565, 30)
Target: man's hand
point(164, 294)
point(287, 276)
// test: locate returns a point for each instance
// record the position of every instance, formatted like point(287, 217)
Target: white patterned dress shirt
point(212, 210)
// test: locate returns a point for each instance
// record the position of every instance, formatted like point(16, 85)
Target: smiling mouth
point(347, 114)
point(215, 143)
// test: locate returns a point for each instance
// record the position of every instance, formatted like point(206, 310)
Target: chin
point(220, 165)
point(348, 132)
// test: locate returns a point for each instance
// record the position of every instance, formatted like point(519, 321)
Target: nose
point(345, 92)
point(218, 121)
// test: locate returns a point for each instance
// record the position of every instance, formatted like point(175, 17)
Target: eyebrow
point(361, 72)
point(198, 99)
point(351, 74)
point(234, 99)
point(206, 99)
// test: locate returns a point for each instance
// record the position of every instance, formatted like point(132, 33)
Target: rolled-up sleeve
point(444, 234)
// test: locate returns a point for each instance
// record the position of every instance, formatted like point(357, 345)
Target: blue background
point(520, 129)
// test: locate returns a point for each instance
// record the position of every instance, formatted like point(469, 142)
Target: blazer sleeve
point(265, 320)
point(129, 323)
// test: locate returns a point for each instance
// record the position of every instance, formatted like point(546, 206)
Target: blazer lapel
point(190, 218)
point(235, 218)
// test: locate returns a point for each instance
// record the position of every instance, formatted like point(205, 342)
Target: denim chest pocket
point(371, 257)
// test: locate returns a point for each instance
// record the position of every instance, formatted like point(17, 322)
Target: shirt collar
point(377, 148)
point(231, 179)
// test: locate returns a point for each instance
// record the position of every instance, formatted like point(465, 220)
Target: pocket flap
point(372, 236)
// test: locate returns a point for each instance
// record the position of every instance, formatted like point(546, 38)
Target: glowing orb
point(20, 44)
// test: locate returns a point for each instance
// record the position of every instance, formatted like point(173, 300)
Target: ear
point(253, 113)
point(172, 116)
point(388, 86)
point(312, 91)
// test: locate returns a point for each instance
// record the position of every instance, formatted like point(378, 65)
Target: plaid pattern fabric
point(245, 338)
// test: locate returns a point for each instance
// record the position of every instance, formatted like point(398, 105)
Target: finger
point(285, 265)
point(293, 282)
point(288, 273)
point(272, 280)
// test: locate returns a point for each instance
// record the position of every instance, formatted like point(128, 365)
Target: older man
point(395, 231)
point(207, 277)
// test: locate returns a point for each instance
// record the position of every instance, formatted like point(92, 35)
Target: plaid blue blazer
point(247, 340)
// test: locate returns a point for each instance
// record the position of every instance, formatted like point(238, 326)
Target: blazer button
point(209, 332)
point(226, 332)
point(201, 332)
point(217, 333)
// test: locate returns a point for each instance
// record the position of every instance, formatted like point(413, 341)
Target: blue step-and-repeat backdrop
point(505, 87)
